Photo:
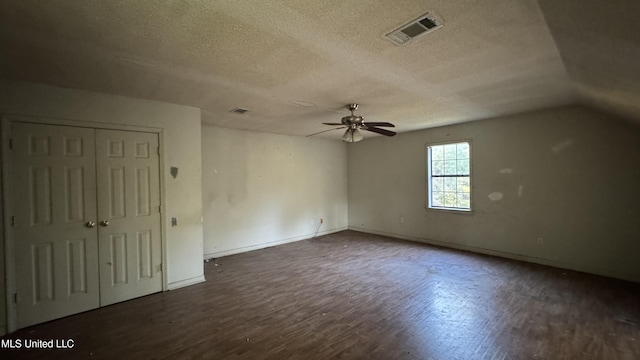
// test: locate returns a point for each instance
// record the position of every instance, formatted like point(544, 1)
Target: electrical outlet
point(540, 241)
point(401, 219)
point(321, 221)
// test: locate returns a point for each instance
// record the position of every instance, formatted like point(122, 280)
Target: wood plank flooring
point(351, 295)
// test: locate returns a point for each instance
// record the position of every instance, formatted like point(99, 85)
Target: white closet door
point(128, 215)
point(54, 208)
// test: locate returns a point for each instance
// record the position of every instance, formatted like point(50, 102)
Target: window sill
point(450, 211)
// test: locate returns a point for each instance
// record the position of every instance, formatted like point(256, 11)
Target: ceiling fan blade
point(320, 132)
point(334, 124)
point(379, 131)
point(383, 124)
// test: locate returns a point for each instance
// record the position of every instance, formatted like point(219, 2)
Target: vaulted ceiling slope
point(599, 42)
point(295, 63)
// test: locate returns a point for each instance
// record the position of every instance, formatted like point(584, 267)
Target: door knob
point(91, 224)
point(104, 223)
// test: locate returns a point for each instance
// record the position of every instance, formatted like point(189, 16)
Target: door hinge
point(13, 221)
point(158, 150)
point(10, 144)
point(15, 298)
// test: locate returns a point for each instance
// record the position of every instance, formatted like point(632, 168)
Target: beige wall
point(569, 176)
point(182, 148)
point(264, 189)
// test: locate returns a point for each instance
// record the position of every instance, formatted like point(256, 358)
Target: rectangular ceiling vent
point(414, 29)
point(239, 110)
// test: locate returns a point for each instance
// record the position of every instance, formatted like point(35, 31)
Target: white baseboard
point(186, 282)
point(531, 259)
point(218, 254)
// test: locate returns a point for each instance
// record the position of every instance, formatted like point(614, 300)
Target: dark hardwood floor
point(357, 296)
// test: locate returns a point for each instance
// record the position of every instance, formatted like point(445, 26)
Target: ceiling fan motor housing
point(352, 120)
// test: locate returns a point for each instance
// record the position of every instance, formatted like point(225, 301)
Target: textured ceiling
point(295, 63)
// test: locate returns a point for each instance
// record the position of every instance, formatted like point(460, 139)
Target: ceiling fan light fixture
point(352, 136)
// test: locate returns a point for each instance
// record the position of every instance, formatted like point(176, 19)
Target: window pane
point(437, 168)
point(437, 184)
point(450, 199)
point(450, 167)
point(437, 153)
point(437, 198)
point(464, 200)
point(450, 184)
point(463, 167)
point(450, 152)
point(463, 186)
point(462, 150)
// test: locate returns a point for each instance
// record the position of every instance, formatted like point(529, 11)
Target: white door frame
point(7, 201)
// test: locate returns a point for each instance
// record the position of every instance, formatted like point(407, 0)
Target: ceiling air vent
point(414, 29)
point(239, 110)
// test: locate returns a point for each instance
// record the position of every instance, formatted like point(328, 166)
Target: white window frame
point(429, 199)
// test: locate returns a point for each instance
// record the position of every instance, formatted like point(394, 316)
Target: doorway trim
point(7, 119)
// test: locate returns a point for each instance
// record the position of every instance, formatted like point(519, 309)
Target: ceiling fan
point(354, 123)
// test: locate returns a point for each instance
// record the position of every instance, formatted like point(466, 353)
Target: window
point(449, 176)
